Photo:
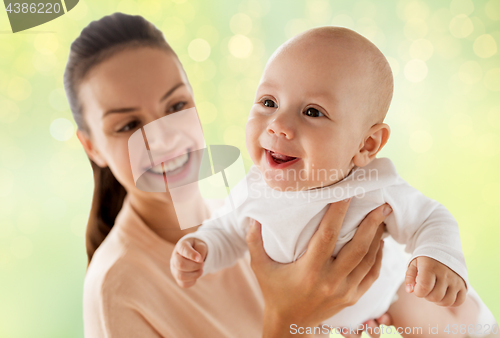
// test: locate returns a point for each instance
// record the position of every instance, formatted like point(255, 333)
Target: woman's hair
point(98, 41)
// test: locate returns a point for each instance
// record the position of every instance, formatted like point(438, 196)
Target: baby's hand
point(187, 260)
point(434, 281)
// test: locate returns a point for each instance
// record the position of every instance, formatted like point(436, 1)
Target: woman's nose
point(162, 137)
point(281, 126)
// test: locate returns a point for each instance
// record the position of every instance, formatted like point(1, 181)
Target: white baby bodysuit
point(290, 218)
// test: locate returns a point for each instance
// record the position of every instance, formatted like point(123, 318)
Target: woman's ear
point(89, 148)
point(374, 140)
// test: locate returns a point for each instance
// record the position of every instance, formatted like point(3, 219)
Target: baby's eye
point(129, 126)
point(269, 103)
point(176, 107)
point(313, 112)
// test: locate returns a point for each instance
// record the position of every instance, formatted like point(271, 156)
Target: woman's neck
point(160, 216)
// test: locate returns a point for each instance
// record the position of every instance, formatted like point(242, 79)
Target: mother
point(121, 75)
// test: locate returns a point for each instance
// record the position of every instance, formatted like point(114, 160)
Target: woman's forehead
point(131, 75)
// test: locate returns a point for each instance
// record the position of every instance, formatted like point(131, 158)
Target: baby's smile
point(277, 160)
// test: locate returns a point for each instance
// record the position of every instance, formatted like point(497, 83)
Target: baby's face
point(305, 125)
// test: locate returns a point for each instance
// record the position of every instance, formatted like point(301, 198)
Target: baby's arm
point(221, 240)
point(437, 270)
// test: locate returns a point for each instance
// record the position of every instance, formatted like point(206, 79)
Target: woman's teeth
point(171, 165)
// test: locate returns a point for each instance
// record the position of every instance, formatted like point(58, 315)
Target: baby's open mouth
point(280, 158)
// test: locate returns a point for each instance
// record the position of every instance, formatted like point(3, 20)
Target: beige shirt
point(130, 292)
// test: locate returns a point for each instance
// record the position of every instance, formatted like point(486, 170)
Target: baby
point(313, 135)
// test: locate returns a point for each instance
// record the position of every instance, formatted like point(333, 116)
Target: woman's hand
point(317, 286)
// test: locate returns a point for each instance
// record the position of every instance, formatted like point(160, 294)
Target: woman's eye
point(128, 127)
point(269, 103)
point(176, 107)
point(313, 112)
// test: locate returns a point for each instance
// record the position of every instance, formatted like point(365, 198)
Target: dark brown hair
point(98, 41)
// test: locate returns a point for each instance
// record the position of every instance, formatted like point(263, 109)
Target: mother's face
point(125, 92)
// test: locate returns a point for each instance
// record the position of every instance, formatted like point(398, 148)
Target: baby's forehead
point(334, 59)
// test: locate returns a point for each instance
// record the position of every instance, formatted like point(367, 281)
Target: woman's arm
point(317, 286)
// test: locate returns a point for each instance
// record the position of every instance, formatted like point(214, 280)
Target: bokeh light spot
point(415, 70)
point(19, 88)
point(461, 26)
point(470, 72)
point(460, 125)
point(46, 43)
point(61, 129)
point(207, 111)
point(240, 46)
point(492, 79)
point(420, 141)
point(44, 62)
point(492, 9)
point(58, 100)
point(173, 28)
point(415, 29)
point(421, 49)
point(199, 50)
point(413, 10)
point(208, 33)
point(447, 47)
point(485, 46)
point(9, 111)
point(234, 135)
point(461, 7)
point(240, 23)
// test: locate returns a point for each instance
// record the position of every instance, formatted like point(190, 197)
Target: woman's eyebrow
point(172, 90)
point(128, 110)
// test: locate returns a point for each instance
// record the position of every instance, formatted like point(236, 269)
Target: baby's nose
point(281, 129)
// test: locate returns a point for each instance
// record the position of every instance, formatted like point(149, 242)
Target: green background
point(445, 120)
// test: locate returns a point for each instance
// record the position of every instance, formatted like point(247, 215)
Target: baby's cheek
point(252, 137)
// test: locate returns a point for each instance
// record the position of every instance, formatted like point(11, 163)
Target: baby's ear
point(374, 140)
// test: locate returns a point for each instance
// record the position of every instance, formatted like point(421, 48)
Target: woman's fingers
point(373, 274)
point(258, 255)
point(373, 325)
point(367, 262)
point(324, 239)
point(385, 319)
point(353, 252)
point(351, 335)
